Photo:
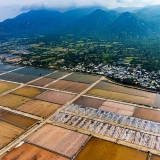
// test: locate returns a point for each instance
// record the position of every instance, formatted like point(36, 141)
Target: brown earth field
point(60, 85)
point(12, 101)
point(97, 149)
point(77, 87)
point(153, 157)
point(56, 97)
point(74, 77)
point(30, 152)
point(121, 96)
point(8, 132)
point(39, 108)
point(60, 140)
point(2, 112)
point(89, 79)
point(118, 108)
point(147, 114)
point(19, 120)
point(28, 91)
point(6, 86)
point(42, 82)
point(116, 88)
point(57, 75)
point(89, 102)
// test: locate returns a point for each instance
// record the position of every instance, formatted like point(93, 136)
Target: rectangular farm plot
point(2, 112)
point(89, 79)
point(157, 101)
point(42, 82)
point(97, 149)
point(154, 157)
point(56, 97)
point(118, 108)
point(12, 101)
point(33, 71)
point(9, 76)
point(74, 77)
point(18, 120)
point(57, 75)
point(60, 140)
point(89, 102)
point(60, 85)
point(28, 91)
point(121, 89)
point(8, 132)
point(5, 68)
point(147, 114)
point(77, 87)
point(39, 108)
point(24, 78)
point(28, 152)
point(121, 96)
point(6, 86)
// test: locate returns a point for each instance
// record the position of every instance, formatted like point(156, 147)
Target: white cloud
point(66, 3)
point(11, 8)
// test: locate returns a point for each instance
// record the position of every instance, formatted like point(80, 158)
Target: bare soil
point(63, 141)
point(8, 132)
point(42, 82)
point(19, 120)
point(56, 97)
point(28, 91)
point(39, 108)
point(89, 102)
point(30, 152)
point(12, 101)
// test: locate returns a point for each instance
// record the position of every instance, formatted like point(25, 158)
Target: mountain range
point(91, 22)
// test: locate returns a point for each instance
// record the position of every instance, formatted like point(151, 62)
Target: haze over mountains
point(92, 22)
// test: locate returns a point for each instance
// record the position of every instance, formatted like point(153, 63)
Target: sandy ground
point(30, 152)
point(42, 82)
point(58, 139)
point(22, 121)
point(97, 149)
point(13, 101)
point(89, 102)
point(28, 91)
point(8, 132)
point(56, 97)
point(39, 108)
point(147, 114)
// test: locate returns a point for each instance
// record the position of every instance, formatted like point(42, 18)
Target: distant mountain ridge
point(88, 22)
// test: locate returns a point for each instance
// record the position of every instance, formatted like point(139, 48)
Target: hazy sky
point(11, 8)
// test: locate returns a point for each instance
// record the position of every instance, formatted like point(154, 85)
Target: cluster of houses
point(141, 77)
